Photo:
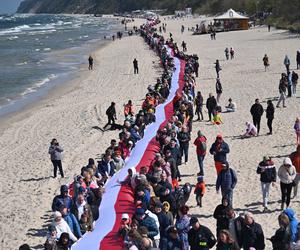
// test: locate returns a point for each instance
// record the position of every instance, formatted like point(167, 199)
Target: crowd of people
point(161, 219)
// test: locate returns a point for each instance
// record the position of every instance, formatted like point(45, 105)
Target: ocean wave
point(22, 63)
point(37, 85)
point(31, 30)
point(12, 38)
point(47, 49)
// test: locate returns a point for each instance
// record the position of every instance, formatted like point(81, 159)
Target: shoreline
point(63, 84)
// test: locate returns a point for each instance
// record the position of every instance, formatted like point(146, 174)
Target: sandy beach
point(70, 116)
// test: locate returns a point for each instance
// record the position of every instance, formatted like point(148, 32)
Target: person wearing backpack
point(111, 115)
point(200, 144)
point(226, 181)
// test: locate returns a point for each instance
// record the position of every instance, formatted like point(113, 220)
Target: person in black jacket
point(111, 115)
point(252, 234)
point(200, 237)
point(257, 111)
point(211, 104)
point(135, 66)
point(270, 115)
point(283, 236)
point(220, 214)
point(267, 171)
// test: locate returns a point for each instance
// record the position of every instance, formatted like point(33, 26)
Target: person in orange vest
point(295, 157)
point(128, 109)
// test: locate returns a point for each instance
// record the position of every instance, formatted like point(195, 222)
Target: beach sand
point(28, 190)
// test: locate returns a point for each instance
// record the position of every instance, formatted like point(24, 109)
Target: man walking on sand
point(91, 62)
point(111, 115)
point(135, 66)
point(257, 111)
point(283, 83)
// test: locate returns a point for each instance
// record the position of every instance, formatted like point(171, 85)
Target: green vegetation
point(285, 14)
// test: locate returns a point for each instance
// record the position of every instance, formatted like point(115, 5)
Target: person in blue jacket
point(219, 149)
point(293, 222)
point(62, 199)
point(226, 181)
point(106, 166)
point(71, 221)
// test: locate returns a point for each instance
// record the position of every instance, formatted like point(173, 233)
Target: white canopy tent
point(232, 20)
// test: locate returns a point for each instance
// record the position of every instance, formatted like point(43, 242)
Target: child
point(297, 129)
point(217, 118)
point(199, 190)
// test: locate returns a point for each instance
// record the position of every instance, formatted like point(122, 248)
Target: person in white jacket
point(286, 174)
point(62, 226)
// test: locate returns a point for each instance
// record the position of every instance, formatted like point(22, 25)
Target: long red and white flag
point(119, 199)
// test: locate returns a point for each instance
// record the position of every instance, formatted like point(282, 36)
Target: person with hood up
point(295, 157)
point(267, 171)
point(62, 226)
point(286, 174)
point(220, 214)
point(293, 222)
point(63, 198)
point(219, 149)
point(226, 181)
point(251, 130)
point(64, 242)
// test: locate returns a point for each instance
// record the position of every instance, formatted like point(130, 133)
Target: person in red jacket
point(200, 144)
point(295, 157)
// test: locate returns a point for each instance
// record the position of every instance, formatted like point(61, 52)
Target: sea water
point(36, 51)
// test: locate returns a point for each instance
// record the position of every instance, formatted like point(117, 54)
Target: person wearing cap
point(219, 149)
point(295, 157)
point(199, 236)
point(201, 147)
point(252, 234)
point(62, 226)
point(227, 181)
point(183, 225)
point(146, 221)
point(257, 111)
point(63, 198)
point(164, 221)
point(71, 220)
point(287, 174)
point(267, 171)
point(124, 226)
